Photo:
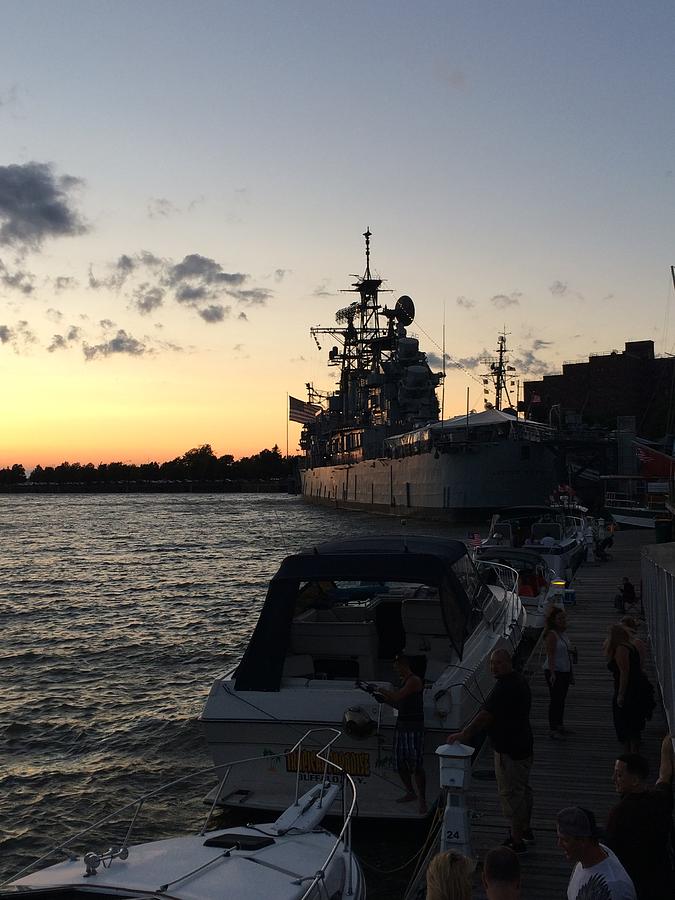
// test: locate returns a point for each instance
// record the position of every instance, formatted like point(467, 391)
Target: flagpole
point(288, 412)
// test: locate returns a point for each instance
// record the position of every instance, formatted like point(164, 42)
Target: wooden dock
point(577, 771)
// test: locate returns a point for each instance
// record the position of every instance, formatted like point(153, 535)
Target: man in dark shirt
point(639, 827)
point(409, 732)
point(506, 716)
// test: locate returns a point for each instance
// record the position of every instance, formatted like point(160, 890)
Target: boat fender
point(357, 722)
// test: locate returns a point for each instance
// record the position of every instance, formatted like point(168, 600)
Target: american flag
point(474, 539)
point(299, 411)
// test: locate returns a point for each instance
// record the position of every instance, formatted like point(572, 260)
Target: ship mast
point(499, 372)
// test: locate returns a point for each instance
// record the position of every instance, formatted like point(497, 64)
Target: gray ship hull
point(461, 485)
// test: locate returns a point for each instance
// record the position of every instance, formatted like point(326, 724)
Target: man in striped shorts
point(409, 732)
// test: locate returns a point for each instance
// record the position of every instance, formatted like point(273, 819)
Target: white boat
point(550, 532)
point(527, 572)
point(336, 615)
point(292, 858)
point(633, 513)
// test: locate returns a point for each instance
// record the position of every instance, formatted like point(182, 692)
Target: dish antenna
point(404, 310)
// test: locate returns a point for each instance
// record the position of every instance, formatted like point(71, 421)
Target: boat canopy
point(510, 554)
point(412, 560)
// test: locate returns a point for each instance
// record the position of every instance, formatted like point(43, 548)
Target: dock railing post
point(455, 771)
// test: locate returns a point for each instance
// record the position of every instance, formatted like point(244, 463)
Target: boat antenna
point(443, 354)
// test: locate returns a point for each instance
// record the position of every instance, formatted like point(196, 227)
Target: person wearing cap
point(501, 874)
point(639, 826)
point(597, 872)
point(506, 716)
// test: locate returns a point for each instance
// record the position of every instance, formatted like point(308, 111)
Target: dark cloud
point(64, 283)
point(252, 296)
point(203, 269)
point(36, 204)
point(54, 315)
point(192, 294)
point(502, 301)
point(529, 364)
point(473, 362)
point(538, 344)
point(280, 274)
point(465, 303)
point(20, 337)
point(146, 298)
point(107, 324)
point(196, 281)
point(436, 362)
point(63, 341)
point(121, 344)
point(242, 317)
point(58, 343)
point(18, 280)
point(214, 313)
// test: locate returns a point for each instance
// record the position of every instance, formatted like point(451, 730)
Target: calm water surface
point(116, 614)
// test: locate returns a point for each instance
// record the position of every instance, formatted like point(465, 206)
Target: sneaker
point(517, 848)
point(528, 836)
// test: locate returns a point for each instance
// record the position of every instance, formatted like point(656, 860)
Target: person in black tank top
point(409, 732)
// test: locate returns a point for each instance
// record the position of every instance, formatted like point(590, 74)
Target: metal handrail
point(136, 805)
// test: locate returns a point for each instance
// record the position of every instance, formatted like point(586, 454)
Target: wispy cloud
point(64, 283)
point(64, 341)
point(196, 281)
point(161, 208)
point(503, 301)
point(322, 289)
point(36, 204)
point(18, 280)
point(19, 336)
point(465, 303)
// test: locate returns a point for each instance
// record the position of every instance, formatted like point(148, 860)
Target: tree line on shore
point(198, 464)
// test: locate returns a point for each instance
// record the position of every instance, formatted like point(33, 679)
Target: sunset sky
point(184, 188)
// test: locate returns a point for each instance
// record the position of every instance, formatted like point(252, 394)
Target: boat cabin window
point(348, 630)
point(541, 530)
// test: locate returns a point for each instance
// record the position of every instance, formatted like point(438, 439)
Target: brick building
point(633, 382)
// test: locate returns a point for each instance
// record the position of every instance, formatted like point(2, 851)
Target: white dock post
point(455, 765)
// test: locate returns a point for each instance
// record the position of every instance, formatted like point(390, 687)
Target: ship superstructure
point(386, 385)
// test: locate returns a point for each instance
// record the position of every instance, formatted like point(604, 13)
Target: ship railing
point(93, 860)
point(658, 601)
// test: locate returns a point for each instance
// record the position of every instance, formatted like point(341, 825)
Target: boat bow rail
point(303, 816)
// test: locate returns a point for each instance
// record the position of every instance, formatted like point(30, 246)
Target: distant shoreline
point(275, 486)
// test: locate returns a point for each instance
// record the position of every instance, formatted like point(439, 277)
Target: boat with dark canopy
point(335, 617)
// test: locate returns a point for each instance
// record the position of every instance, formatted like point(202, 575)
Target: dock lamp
point(455, 774)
